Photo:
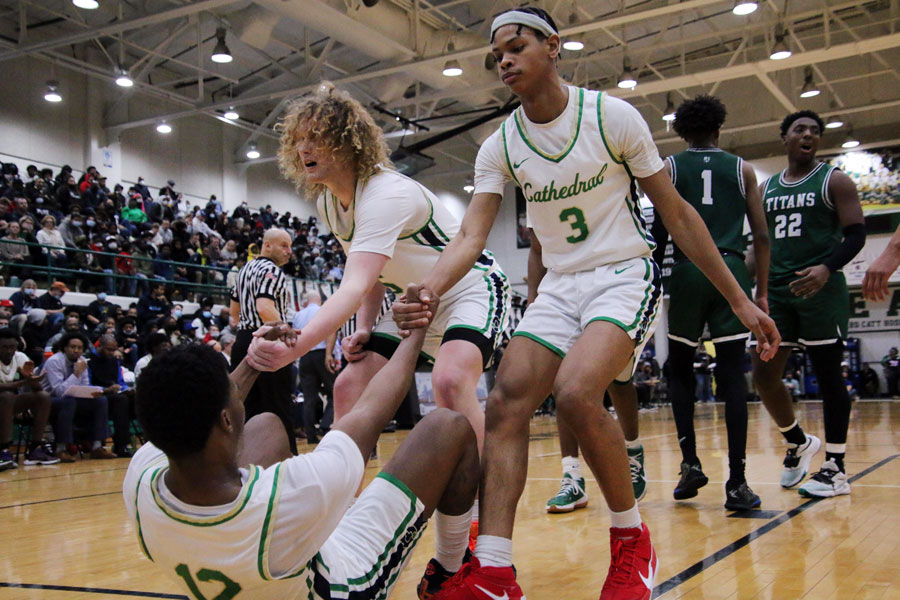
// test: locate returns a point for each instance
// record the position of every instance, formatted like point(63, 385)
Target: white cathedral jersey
point(400, 218)
point(581, 200)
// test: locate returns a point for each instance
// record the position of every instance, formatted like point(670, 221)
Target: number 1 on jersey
point(706, 174)
point(579, 224)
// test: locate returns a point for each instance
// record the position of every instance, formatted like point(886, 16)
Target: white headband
point(517, 17)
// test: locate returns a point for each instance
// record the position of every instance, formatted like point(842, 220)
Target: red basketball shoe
point(474, 582)
point(633, 565)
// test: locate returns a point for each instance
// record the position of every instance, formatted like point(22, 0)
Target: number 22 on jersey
point(204, 575)
point(789, 225)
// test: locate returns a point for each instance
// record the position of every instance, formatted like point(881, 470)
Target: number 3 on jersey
point(205, 575)
point(578, 225)
point(789, 224)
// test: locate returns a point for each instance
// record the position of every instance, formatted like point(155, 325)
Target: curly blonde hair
point(342, 125)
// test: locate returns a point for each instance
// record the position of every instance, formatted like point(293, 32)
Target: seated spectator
point(133, 217)
point(792, 385)
point(870, 381)
point(106, 327)
point(6, 310)
point(106, 372)
point(63, 370)
point(71, 325)
point(162, 266)
point(67, 196)
point(152, 306)
point(51, 302)
point(26, 224)
point(11, 251)
point(157, 344)
point(99, 309)
point(143, 255)
point(164, 234)
point(25, 299)
point(226, 341)
point(125, 267)
point(203, 318)
point(127, 338)
point(85, 261)
point(71, 227)
point(20, 390)
point(54, 248)
point(35, 333)
point(198, 225)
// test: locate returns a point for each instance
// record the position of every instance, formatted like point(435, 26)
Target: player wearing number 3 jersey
point(577, 156)
point(816, 227)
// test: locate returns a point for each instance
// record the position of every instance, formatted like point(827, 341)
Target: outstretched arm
point(875, 283)
point(691, 235)
point(244, 376)
point(384, 393)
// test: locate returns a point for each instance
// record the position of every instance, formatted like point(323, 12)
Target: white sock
point(572, 466)
point(627, 518)
point(634, 444)
point(835, 448)
point(451, 536)
point(493, 551)
point(475, 510)
point(95, 445)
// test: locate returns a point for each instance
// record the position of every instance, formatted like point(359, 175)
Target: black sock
point(795, 435)
point(5, 446)
point(837, 457)
point(681, 367)
point(732, 388)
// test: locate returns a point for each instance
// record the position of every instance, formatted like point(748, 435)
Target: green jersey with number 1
point(711, 181)
point(803, 223)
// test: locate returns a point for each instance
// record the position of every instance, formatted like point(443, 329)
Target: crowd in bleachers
point(82, 233)
point(74, 233)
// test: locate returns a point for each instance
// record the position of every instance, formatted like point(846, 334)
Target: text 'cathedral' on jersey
point(577, 174)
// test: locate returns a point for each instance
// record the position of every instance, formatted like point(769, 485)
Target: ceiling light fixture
point(744, 7)
point(231, 114)
point(123, 80)
point(669, 112)
point(164, 127)
point(834, 123)
point(86, 4)
point(627, 80)
point(252, 152)
point(780, 50)
point(221, 54)
point(810, 89)
point(52, 93)
point(452, 68)
point(573, 45)
point(850, 141)
point(468, 188)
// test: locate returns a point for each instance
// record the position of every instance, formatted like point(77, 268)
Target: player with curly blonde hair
point(393, 230)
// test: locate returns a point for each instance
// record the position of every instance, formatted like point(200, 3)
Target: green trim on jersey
point(211, 521)
point(520, 126)
point(262, 556)
point(616, 159)
point(328, 218)
point(804, 228)
point(637, 317)
point(540, 341)
point(506, 154)
point(634, 208)
point(137, 514)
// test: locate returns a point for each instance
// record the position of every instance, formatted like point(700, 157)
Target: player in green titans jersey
point(815, 227)
point(723, 190)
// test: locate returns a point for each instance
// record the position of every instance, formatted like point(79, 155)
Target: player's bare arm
point(456, 259)
point(360, 274)
point(691, 235)
point(843, 193)
point(244, 375)
point(536, 268)
point(385, 392)
point(875, 283)
point(762, 247)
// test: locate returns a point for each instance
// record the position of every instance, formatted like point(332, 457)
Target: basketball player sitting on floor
point(223, 507)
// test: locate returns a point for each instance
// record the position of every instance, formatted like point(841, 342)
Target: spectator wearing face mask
point(127, 338)
point(203, 318)
point(26, 298)
point(133, 217)
point(142, 189)
point(71, 227)
point(100, 309)
point(67, 196)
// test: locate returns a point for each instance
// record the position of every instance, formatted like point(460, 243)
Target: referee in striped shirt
point(259, 296)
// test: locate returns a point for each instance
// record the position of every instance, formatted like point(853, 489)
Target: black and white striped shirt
point(260, 278)
point(349, 328)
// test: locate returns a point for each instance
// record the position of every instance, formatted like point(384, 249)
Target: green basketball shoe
point(571, 495)
point(638, 476)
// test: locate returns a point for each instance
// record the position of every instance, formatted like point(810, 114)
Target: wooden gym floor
point(64, 533)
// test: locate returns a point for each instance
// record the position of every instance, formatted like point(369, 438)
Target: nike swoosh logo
point(623, 269)
point(519, 164)
point(651, 573)
point(505, 595)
